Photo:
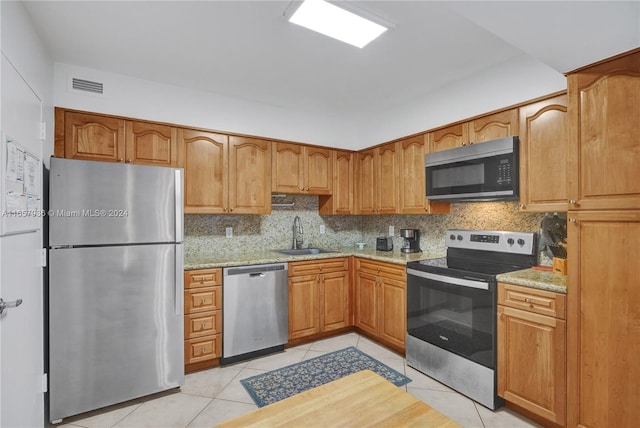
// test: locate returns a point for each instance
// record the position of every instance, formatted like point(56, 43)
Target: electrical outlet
point(229, 231)
point(322, 229)
point(392, 231)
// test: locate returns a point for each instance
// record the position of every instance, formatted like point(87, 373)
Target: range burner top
point(471, 252)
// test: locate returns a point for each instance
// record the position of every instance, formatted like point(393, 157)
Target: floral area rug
point(279, 384)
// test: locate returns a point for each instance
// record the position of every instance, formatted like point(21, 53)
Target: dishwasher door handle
point(257, 274)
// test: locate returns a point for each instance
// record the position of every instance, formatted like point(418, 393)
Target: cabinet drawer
point(318, 266)
point(202, 324)
point(387, 270)
point(202, 299)
point(202, 349)
point(202, 278)
point(532, 300)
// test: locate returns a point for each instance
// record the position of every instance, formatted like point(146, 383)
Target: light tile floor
point(215, 395)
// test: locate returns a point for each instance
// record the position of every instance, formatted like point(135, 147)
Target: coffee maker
point(411, 241)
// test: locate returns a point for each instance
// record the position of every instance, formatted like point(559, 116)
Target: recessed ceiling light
point(336, 22)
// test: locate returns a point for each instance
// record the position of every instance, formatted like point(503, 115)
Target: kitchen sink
point(304, 251)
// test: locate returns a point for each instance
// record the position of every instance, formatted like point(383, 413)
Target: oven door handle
point(449, 279)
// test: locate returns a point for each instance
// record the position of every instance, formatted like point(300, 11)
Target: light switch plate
point(322, 229)
point(392, 231)
point(229, 232)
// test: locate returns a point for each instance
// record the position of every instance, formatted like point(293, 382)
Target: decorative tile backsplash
point(205, 234)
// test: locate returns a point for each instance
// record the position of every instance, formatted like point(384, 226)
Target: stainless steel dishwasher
point(255, 311)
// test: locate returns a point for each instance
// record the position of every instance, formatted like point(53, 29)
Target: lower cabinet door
point(334, 301)
point(303, 306)
point(366, 303)
point(531, 362)
point(393, 312)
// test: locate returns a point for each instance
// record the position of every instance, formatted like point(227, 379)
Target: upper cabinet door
point(318, 171)
point(341, 199)
point(204, 159)
point(365, 183)
point(387, 179)
point(288, 168)
point(604, 153)
point(448, 138)
point(412, 182)
point(249, 175)
point(151, 144)
point(543, 155)
point(494, 126)
point(93, 137)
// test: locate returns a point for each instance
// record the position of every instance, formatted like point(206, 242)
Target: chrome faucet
point(298, 232)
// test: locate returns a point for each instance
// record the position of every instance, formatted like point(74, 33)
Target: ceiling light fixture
point(347, 23)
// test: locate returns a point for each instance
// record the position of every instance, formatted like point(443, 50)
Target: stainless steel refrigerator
point(115, 283)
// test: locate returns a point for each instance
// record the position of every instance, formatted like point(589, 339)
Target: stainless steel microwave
point(477, 172)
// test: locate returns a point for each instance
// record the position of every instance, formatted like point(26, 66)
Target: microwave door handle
point(449, 279)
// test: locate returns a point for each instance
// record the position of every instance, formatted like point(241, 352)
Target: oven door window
point(457, 318)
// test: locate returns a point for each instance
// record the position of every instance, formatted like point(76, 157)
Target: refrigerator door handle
point(179, 205)
point(179, 282)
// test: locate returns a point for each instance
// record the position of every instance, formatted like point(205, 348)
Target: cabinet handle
point(572, 220)
point(464, 144)
point(522, 206)
point(128, 160)
point(202, 325)
point(231, 210)
point(574, 202)
point(202, 351)
point(120, 159)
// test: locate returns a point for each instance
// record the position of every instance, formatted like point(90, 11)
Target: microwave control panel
point(504, 171)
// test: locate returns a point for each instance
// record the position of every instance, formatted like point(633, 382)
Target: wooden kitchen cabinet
point(494, 126)
point(449, 137)
point(485, 128)
point(604, 135)
point(319, 297)
point(380, 302)
point(91, 136)
point(249, 175)
point(603, 318)
point(378, 174)
point(301, 169)
point(532, 350)
point(341, 201)
point(543, 155)
point(202, 318)
point(412, 186)
point(206, 182)
point(151, 144)
point(224, 175)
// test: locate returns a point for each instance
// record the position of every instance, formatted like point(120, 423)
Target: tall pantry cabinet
point(603, 182)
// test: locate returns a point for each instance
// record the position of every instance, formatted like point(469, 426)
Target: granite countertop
point(262, 257)
point(543, 280)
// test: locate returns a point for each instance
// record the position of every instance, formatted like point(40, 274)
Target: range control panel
point(485, 240)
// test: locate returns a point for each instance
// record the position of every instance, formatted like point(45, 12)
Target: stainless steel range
point(451, 309)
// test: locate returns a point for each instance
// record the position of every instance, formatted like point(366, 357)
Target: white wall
point(143, 99)
point(508, 84)
point(23, 48)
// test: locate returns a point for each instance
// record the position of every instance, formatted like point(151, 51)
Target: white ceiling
point(247, 49)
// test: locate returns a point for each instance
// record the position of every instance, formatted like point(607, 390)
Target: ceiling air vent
point(87, 85)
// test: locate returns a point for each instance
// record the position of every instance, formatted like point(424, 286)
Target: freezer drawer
point(115, 325)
